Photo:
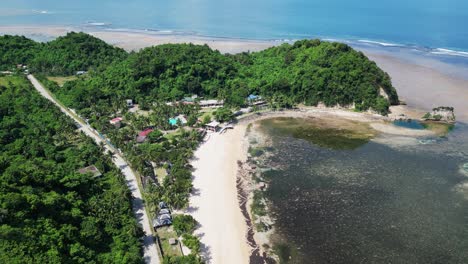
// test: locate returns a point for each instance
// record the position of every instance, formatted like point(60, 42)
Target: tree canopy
point(63, 56)
point(49, 212)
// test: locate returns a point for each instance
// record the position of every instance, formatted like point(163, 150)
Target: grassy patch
point(15, 80)
point(61, 80)
point(165, 233)
point(161, 173)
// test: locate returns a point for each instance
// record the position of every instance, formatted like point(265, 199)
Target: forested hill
point(307, 72)
point(49, 212)
point(63, 56)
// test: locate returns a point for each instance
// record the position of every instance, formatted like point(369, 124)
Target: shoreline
point(223, 186)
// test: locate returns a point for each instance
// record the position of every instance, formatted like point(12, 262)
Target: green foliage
point(190, 259)
point(16, 50)
point(192, 242)
point(155, 136)
point(307, 72)
point(49, 213)
point(64, 56)
point(223, 114)
point(184, 224)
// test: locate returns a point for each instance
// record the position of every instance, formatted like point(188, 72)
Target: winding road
point(151, 255)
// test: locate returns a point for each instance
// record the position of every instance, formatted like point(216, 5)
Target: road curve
point(150, 254)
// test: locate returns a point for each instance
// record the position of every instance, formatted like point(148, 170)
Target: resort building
point(116, 122)
point(211, 103)
point(212, 126)
point(255, 100)
point(175, 121)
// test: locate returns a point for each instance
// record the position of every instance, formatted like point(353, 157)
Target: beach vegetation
point(192, 242)
point(223, 114)
point(184, 224)
point(189, 259)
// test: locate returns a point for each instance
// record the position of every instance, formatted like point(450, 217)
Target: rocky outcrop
point(441, 113)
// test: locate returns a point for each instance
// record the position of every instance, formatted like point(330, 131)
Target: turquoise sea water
point(436, 24)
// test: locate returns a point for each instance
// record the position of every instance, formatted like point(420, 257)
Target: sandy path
point(214, 203)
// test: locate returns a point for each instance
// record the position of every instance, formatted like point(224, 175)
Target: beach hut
point(212, 126)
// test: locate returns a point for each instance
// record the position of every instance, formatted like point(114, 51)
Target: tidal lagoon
point(338, 196)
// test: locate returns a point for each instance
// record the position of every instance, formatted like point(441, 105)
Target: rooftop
point(145, 132)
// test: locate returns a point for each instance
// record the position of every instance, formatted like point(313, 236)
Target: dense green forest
point(63, 56)
point(50, 213)
point(16, 50)
point(306, 72)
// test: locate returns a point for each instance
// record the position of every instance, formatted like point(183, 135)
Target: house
point(143, 134)
point(252, 98)
point(188, 100)
point(212, 126)
point(129, 103)
point(180, 118)
point(116, 121)
point(90, 170)
point(211, 103)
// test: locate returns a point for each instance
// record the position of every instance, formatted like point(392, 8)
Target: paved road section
point(151, 255)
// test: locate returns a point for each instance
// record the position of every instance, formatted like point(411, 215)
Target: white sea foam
point(386, 44)
point(441, 51)
point(44, 12)
point(97, 24)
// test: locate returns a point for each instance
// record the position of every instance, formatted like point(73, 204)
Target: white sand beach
point(214, 203)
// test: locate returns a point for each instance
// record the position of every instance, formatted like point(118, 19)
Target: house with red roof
point(143, 134)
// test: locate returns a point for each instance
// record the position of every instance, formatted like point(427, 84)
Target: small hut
point(90, 170)
point(212, 126)
point(116, 121)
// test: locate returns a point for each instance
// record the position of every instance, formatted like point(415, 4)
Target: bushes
point(223, 114)
point(184, 224)
point(192, 242)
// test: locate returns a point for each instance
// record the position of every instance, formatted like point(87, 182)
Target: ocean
point(343, 200)
point(436, 25)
